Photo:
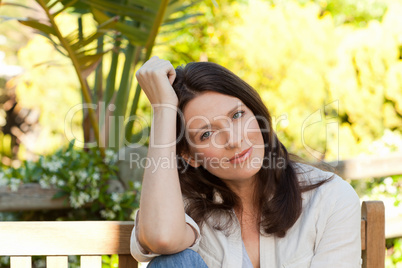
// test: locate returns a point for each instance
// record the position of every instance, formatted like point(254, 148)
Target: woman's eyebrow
point(197, 130)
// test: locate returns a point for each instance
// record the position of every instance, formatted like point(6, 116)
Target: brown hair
point(277, 192)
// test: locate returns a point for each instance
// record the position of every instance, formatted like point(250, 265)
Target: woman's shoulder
point(308, 173)
point(334, 186)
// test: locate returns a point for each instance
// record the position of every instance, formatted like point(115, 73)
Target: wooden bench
point(92, 239)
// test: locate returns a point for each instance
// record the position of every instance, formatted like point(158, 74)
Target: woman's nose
point(234, 138)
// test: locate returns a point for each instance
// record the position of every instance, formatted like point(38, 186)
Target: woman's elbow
point(162, 243)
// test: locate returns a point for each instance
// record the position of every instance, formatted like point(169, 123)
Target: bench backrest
point(91, 239)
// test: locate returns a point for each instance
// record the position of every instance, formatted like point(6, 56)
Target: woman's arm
point(161, 225)
point(340, 245)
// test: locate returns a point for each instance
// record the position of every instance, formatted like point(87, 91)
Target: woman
point(232, 197)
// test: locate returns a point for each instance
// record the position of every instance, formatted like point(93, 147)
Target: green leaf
point(178, 6)
point(150, 4)
point(88, 63)
point(51, 5)
point(88, 40)
point(60, 194)
point(182, 18)
point(19, 5)
point(136, 13)
point(38, 26)
point(67, 5)
point(134, 34)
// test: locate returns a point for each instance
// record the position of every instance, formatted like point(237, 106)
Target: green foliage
point(131, 28)
point(355, 12)
point(108, 261)
point(394, 252)
point(82, 177)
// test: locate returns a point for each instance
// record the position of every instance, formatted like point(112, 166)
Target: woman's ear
point(190, 160)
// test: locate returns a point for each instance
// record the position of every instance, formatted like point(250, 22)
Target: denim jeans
point(184, 259)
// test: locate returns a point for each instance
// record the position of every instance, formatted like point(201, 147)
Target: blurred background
point(72, 114)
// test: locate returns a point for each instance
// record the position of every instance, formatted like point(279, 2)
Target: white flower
point(53, 166)
point(74, 201)
point(391, 189)
point(116, 207)
point(110, 157)
point(107, 214)
point(116, 197)
point(14, 183)
point(82, 175)
point(137, 185)
point(44, 184)
point(53, 179)
point(381, 187)
point(96, 176)
point(61, 183)
point(84, 197)
point(77, 201)
point(388, 181)
point(3, 180)
point(94, 193)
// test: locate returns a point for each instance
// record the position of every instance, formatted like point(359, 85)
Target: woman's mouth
point(240, 157)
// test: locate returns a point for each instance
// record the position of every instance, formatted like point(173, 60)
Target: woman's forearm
point(162, 225)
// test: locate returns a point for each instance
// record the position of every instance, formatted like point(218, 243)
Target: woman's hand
point(156, 78)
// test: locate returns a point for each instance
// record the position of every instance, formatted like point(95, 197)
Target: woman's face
point(224, 136)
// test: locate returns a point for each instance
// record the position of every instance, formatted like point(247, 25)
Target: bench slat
point(57, 262)
point(91, 261)
point(363, 234)
point(127, 261)
point(374, 254)
point(20, 262)
point(65, 238)
point(91, 239)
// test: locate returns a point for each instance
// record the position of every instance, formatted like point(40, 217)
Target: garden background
point(329, 71)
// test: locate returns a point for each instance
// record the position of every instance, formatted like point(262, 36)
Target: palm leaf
point(38, 26)
point(136, 13)
point(56, 45)
point(65, 6)
point(182, 18)
point(147, 4)
point(18, 5)
point(136, 35)
point(88, 63)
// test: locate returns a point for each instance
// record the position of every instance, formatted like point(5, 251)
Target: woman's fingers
point(156, 77)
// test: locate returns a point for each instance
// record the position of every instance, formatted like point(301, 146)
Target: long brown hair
point(277, 192)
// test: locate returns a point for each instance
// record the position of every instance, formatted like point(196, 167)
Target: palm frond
point(135, 35)
point(136, 13)
point(18, 5)
point(147, 4)
point(38, 26)
point(65, 6)
point(182, 18)
point(88, 63)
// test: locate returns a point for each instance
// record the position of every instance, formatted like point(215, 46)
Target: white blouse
point(327, 233)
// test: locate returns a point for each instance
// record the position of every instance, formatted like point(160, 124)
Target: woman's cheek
point(252, 130)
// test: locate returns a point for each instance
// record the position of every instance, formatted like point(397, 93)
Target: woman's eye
point(206, 135)
point(238, 114)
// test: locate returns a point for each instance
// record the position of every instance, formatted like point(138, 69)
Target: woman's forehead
point(210, 106)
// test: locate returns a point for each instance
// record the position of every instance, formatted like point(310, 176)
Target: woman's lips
point(238, 158)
